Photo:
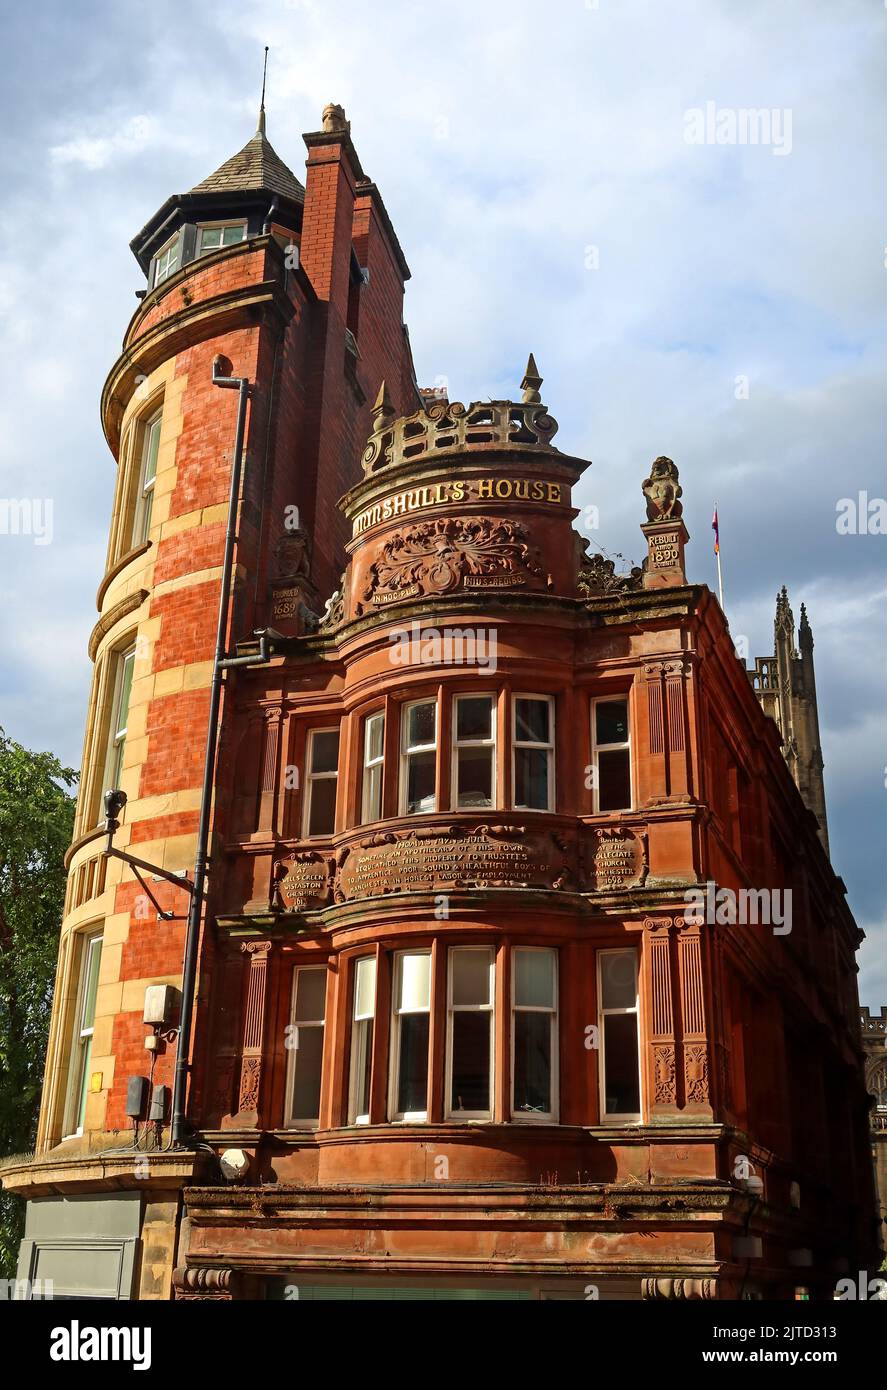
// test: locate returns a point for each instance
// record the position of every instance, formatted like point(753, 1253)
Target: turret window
point(533, 765)
point(611, 755)
point(213, 236)
point(119, 717)
point(166, 262)
point(474, 751)
point(418, 770)
point(470, 1033)
point(84, 1024)
point(147, 478)
point(410, 1036)
point(534, 1033)
point(362, 1022)
point(373, 758)
point(320, 789)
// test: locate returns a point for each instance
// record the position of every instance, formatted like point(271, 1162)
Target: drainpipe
point(189, 965)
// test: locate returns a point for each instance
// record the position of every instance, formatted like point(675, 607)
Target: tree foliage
point(36, 820)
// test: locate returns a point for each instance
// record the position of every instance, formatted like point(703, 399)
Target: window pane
point(325, 751)
point(474, 717)
point(310, 995)
point(532, 1062)
point(361, 1066)
point(92, 962)
point(210, 238)
point(611, 721)
point(420, 724)
point(614, 780)
point(412, 1073)
point(372, 792)
point(152, 444)
point(531, 778)
point(470, 1088)
point(306, 1085)
point(365, 987)
point(375, 728)
point(322, 817)
point(618, 982)
point(125, 691)
point(622, 1091)
point(531, 721)
point(474, 776)
point(421, 781)
point(415, 982)
point(231, 235)
point(534, 979)
point(472, 977)
point(83, 1080)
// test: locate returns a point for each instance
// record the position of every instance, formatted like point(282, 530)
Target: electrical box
point(159, 1101)
point(160, 1004)
point(136, 1096)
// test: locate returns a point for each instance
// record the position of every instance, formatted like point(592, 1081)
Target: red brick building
point(459, 1032)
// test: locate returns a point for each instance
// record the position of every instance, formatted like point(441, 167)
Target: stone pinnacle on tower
point(531, 383)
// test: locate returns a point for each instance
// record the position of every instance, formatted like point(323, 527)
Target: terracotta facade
point(459, 1028)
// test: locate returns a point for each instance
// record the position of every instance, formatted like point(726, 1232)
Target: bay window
point(213, 236)
point(418, 759)
point(533, 752)
point(373, 757)
point(362, 1020)
point(470, 1033)
point(306, 1045)
point(534, 1033)
point(410, 1033)
point(319, 817)
point(474, 751)
point(611, 754)
point(618, 1024)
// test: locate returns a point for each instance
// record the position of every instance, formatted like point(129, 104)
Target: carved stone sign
point(303, 882)
point(472, 491)
point(620, 860)
point(488, 856)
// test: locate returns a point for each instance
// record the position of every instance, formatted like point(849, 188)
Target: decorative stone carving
point(696, 1073)
point(598, 577)
point(334, 608)
point(662, 490)
point(451, 426)
point(303, 881)
point(436, 557)
point(334, 119)
point(204, 1284)
point(664, 1074)
point(672, 1289)
point(620, 859)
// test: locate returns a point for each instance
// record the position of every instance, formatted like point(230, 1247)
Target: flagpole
point(720, 581)
point(715, 526)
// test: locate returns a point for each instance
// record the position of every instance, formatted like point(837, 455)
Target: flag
point(714, 527)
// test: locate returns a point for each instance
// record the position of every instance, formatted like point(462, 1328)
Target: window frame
point(395, 1116)
point(292, 1121)
point(611, 748)
point(549, 747)
point(618, 1117)
point(223, 225)
point(312, 777)
point(353, 1080)
point(456, 744)
point(80, 1054)
point(115, 743)
point(452, 1008)
point(406, 752)
point(175, 241)
point(370, 764)
point(550, 1117)
point(144, 504)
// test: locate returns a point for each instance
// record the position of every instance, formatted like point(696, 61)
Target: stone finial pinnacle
point(383, 409)
point(531, 383)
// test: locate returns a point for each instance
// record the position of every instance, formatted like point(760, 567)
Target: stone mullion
point(254, 1018)
point(694, 1040)
point(675, 702)
point(652, 700)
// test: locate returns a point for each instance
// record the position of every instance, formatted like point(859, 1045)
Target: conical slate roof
point(256, 166)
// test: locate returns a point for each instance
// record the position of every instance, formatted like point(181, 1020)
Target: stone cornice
point(112, 573)
point(113, 615)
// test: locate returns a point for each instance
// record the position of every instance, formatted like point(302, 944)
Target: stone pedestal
point(665, 553)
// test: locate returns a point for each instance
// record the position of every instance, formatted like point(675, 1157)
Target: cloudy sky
point(719, 302)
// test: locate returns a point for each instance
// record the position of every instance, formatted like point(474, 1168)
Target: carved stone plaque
point(619, 860)
point(303, 882)
point(489, 856)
